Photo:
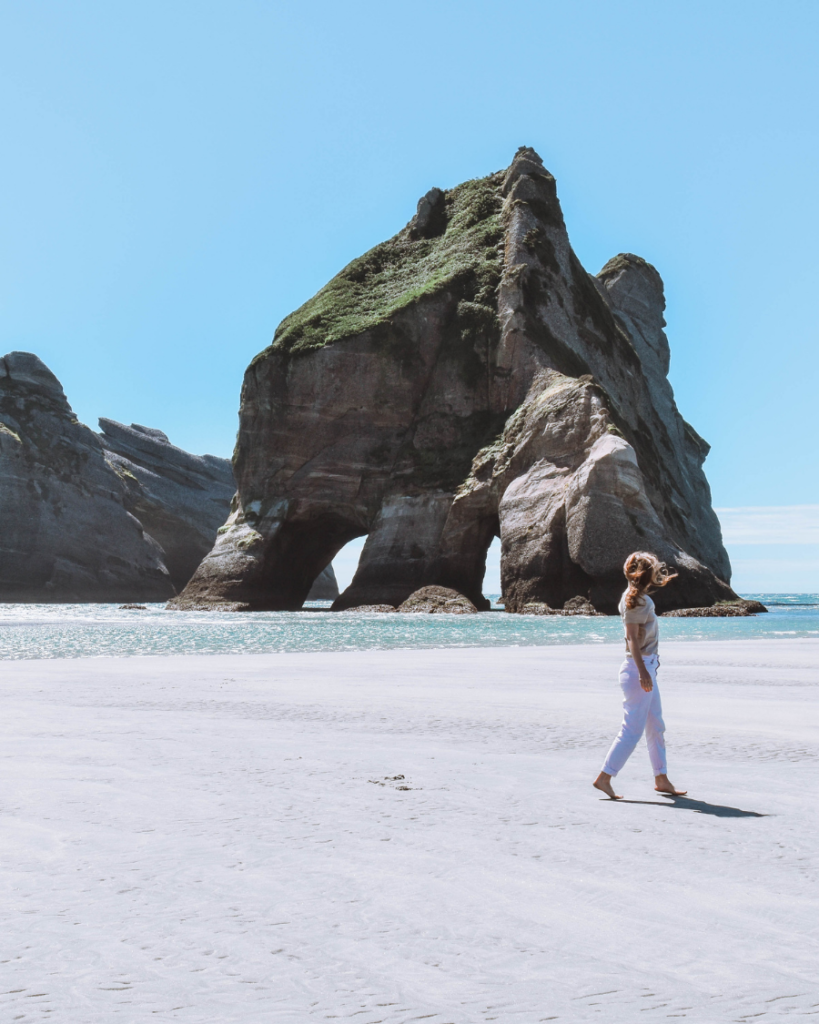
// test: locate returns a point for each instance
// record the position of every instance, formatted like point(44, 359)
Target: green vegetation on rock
point(397, 273)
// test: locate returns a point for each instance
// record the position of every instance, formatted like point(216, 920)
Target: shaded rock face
point(325, 587)
point(65, 533)
point(180, 499)
point(430, 219)
point(467, 379)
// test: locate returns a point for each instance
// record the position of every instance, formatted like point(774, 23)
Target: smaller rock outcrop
point(573, 607)
point(430, 218)
point(180, 499)
point(537, 608)
point(726, 610)
point(579, 606)
point(434, 600)
point(754, 607)
point(371, 609)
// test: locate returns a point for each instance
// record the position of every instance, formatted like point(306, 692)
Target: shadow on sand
point(701, 806)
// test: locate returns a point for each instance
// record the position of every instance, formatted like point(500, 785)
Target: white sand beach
point(388, 836)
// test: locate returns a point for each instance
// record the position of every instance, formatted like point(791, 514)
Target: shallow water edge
point(30, 631)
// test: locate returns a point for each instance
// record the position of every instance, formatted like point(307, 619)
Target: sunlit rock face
point(572, 503)
point(467, 379)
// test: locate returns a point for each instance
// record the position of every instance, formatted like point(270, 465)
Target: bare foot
point(662, 785)
point(603, 783)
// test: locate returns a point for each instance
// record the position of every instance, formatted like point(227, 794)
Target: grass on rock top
point(398, 272)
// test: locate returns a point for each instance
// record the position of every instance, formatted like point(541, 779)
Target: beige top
point(646, 617)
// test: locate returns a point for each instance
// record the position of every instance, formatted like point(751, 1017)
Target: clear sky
point(178, 176)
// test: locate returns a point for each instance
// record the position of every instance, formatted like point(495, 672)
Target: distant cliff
point(180, 499)
point(122, 516)
point(463, 380)
point(325, 586)
point(65, 534)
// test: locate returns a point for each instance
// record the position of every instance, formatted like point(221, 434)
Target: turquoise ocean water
point(93, 630)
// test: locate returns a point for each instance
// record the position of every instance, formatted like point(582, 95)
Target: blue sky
point(178, 176)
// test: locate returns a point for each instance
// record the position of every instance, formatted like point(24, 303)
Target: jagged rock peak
point(151, 443)
point(430, 219)
point(24, 368)
point(526, 162)
point(633, 289)
point(625, 261)
point(152, 432)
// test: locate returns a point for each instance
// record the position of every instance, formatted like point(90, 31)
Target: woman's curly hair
point(644, 570)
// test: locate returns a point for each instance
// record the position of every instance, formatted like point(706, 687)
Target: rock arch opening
point(345, 563)
point(295, 557)
point(491, 577)
point(466, 540)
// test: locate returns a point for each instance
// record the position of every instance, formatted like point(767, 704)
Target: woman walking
point(642, 711)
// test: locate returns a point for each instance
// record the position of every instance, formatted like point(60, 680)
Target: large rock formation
point(466, 379)
point(65, 534)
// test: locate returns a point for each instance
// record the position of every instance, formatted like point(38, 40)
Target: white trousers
point(642, 713)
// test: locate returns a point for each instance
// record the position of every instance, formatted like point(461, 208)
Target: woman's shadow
point(684, 803)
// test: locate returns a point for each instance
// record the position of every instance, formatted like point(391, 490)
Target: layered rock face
point(118, 516)
point(572, 503)
point(467, 379)
point(65, 534)
point(180, 499)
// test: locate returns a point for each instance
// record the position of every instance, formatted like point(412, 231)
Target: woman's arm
point(633, 639)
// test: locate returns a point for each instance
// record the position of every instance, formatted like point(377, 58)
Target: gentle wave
point(786, 600)
point(94, 630)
